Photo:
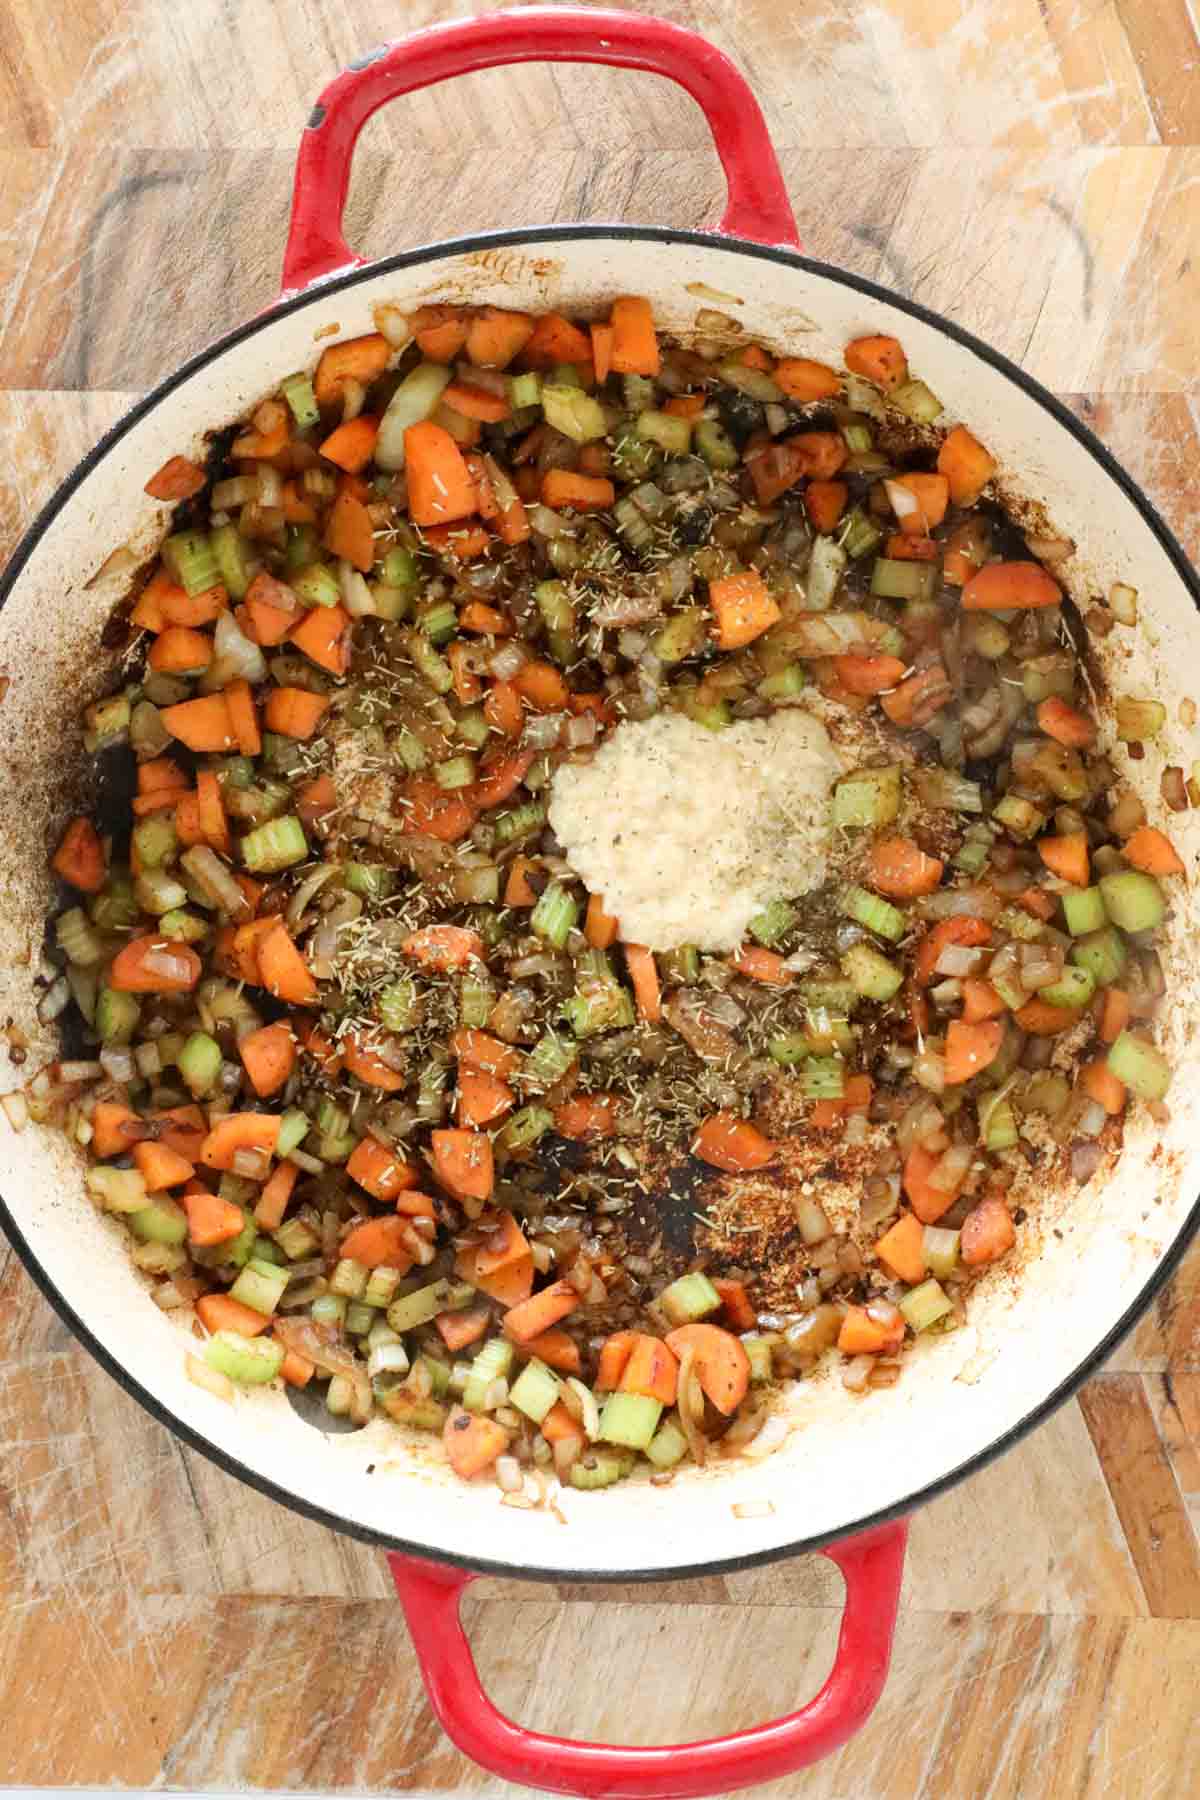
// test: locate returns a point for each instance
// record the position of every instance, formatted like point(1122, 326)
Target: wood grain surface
point(1029, 167)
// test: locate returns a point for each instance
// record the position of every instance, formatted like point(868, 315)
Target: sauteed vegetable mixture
point(379, 1089)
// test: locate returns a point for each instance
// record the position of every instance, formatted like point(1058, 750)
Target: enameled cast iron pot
point(1091, 1258)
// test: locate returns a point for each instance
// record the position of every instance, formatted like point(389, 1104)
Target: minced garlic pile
point(687, 833)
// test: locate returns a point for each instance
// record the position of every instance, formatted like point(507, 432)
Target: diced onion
point(857, 1372)
point(308, 890)
point(54, 1001)
point(392, 324)
point(1123, 602)
point(211, 1380)
point(116, 1061)
point(508, 1474)
point(209, 872)
point(812, 1221)
point(1085, 1160)
point(235, 658)
point(16, 1109)
point(948, 1173)
point(356, 595)
point(505, 662)
point(1050, 549)
point(543, 730)
point(268, 486)
point(957, 960)
point(167, 964)
point(231, 494)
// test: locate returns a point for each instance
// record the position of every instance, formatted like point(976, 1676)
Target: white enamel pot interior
point(1091, 1257)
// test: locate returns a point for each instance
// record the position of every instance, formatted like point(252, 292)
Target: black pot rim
point(540, 234)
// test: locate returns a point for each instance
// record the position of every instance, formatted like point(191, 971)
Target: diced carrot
point(211, 807)
point(473, 1442)
point(1100, 1084)
point(211, 1220)
point(643, 974)
point(1153, 852)
point(482, 1100)
point(115, 1129)
point(316, 801)
point(602, 343)
point(867, 1331)
point(320, 1049)
point(685, 406)
point(217, 1312)
point(735, 1303)
point(439, 483)
point(971, 1048)
point(358, 359)
point(856, 1097)
point(508, 1284)
point(236, 949)
point(178, 479)
point(370, 1067)
point(295, 1369)
point(517, 891)
point(382, 1172)
point(931, 494)
point(558, 1425)
point(380, 1243)
point(755, 357)
point(743, 608)
point(323, 635)
point(440, 331)
point(980, 1000)
point(1065, 724)
point(652, 1369)
point(282, 969)
point(463, 542)
point(536, 1315)
point(599, 927)
point(147, 612)
point(614, 1354)
point(1001, 585)
point(1042, 1019)
point(505, 1244)
point(244, 718)
point(541, 685)
point(916, 700)
point(966, 465)
point(264, 624)
point(129, 973)
point(352, 445)
point(500, 778)
point(825, 502)
point(634, 344)
point(296, 510)
point(273, 1197)
point(555, 339)
point(203, 724)
point(912, 549)
point(503, 710)
point(1037, 901)
point(438, 812)
point(762, 965)
point(902, 1248)
point(1115, 1013)
point(881, 359)
point(79, 858)
point(443, 947)
point(960, 929)
point(160, 1166)
point(182, 1129)
point(774, 467)
point(987, 1233)
point(262, 446)
point(732, 1144)
point(476, 403)
point(458, 1329)
point(488, 621)
point(495, 336)
point(583, 493)
point(415, 1205)
point(294, 712)
point(721, 1363)
point(1067, 857)
point(927, 1201)
point(869, 674)
point(188, 828)
point(184, 609)
point(350, 533)
point(178, 651)
point(251, 1131)
point(268, 1056)
point(557, 1350)
point(900, 868)
point(821, 453)
point(160, 801)
point(803, 380)
point(463, 1164)
point(587, 1116)
point(488, 1055)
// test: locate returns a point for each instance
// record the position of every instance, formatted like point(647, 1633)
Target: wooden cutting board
point(1028, 167)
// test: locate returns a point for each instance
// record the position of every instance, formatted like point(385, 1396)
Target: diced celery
point(260, 1286)
point(972, 856)
point(114, 907)
point(232, 554)
point(239, 1250)
point(923, 1306)
point(303, 547)
point(248, 1361)
point(455, 772)
point(297, 1239)
point(359, 1319)
point(788, 1049)
point(182, 926)
point(997, 1123)
point(826, 1034)
point(555, 914)
point(106, 723)
point(429, 665)
point(1134, 901)
point(597, 1468)
point(689, 1298)
point(558, 615)
point(521, 822)
point(119, 1190)
point(1138, 720)
point(877, 915)
point(470, 727)
point(1021, 924)
point(857, 434)
point(155, 840)
point(329, 1309)
point(713, 715)
point(784, 684)
point(1074, 987)
point(941, 1250)
point(398, 1004)
point(476, 998)
point(858, 534)
point(574, 413)
point(826, 567)
point(773, 923)
point(823, 1078)
point(630, 1420)
point(493, 1363)
point(633, 458)
point(77, 940)
point(679, 966)
point(869, 797)
point(380, 1288)
point(916, 401)
point(1102, 953)
point(683, 635)
point(1052, 674)
point(893, 579)
point(873, 976)
point(162, 1222)
point(524, 390)
point(373, 881)
point(293, 1129)
point(158, 1259)
point(297, 390)
point(833, 993)
point(349, 1278)
point(715, 445)
point(761, 1355)
point(672, 434)
point(189, 557)
point(534, 1391)
point(414, 1410)
point(419, 1307)
point(200, 1063)
point(439, 1374)
point(525, 1128)
point(1084, 910)
point(1143, 1068)
point(117, 1016)
point(1019, 817)
point(438, 621)
point(279, 844)
point(599, 1006)
point(317, 585)
point(668, 1445)
point(549, 1060)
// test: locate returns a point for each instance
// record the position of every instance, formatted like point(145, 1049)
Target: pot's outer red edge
point(536, 235)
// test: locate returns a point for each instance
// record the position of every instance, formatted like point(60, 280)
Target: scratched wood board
point(1030, 168)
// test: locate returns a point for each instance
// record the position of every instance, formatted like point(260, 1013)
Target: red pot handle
point(758, 204)
point(871, 1563)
